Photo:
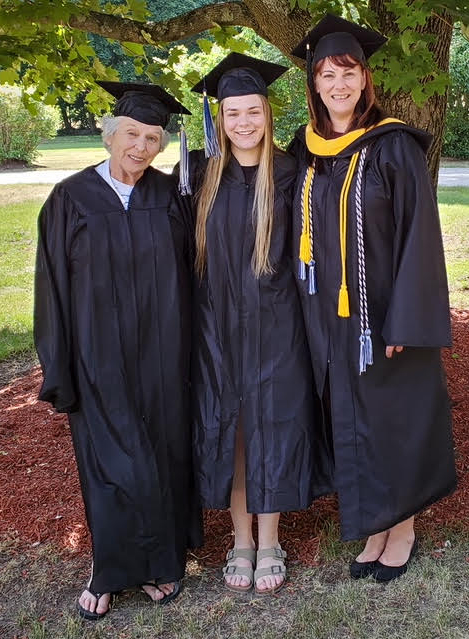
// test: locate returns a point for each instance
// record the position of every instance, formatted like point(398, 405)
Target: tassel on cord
point(366, 350)
point(306, 237)
point(301, 270)
point(184, 181)
point(309, 68)
point(312, 288)
point(343, 306)
point(212, 148)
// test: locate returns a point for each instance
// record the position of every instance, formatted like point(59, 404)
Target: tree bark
point(188, 24)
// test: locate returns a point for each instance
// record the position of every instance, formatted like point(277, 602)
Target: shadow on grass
point(453, 195)
point(14, 343)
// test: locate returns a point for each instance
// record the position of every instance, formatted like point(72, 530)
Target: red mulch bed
point(40, 498)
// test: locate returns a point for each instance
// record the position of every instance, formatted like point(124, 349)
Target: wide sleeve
point(52, 321)
point(418, 311)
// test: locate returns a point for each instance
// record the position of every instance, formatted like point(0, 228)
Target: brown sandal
point(273, 553)
point(245, 571)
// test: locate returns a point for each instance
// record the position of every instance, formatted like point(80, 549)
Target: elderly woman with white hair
point(112, 330)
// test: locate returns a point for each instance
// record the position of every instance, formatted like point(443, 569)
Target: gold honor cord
point(343, 305)
point(305, 240)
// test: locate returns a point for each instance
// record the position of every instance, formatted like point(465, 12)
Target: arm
point(52, 322)
point(418, 312)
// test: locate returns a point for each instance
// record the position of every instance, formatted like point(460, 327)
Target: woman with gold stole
point(372, 281)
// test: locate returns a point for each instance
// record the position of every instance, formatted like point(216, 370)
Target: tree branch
point(183, 26)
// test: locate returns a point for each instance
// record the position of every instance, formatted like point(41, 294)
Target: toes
point(103, 604)
point(153, 592)
point(166, 588)
point(87, 601)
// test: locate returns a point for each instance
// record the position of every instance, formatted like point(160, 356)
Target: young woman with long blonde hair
point(251, 375)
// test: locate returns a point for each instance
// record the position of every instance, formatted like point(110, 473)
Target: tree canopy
point(48, 46)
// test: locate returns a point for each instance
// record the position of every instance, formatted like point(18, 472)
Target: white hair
point(110, 124)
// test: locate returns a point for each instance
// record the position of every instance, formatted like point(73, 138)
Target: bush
point(20, 131)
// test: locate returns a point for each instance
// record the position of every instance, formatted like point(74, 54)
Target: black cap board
point(147, 103)
point(239, 74)
point(335, 36)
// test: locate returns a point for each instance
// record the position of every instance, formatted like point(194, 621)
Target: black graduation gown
point(112, 330)
point(391, 425)
point(250, 356)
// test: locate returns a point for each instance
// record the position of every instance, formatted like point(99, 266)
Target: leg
point(399, 544)
point(374, 547)
point(242, 520)
point(268, 538)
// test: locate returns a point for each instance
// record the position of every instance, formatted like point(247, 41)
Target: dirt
point(40, 500)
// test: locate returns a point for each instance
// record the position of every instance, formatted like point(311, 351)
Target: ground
point(45, 546)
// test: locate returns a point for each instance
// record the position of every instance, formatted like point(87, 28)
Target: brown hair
point(367, 110)
point(263, 206)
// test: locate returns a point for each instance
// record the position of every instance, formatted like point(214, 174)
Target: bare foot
point(374, 547)
point(269, 582)
point(239, 580)
point(399, 544)
point(158, 592)
point(88, 602)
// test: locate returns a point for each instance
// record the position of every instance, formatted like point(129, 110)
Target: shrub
point(20, 131)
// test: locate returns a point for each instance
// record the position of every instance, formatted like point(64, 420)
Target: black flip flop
point(166, 598)
point(94, 616)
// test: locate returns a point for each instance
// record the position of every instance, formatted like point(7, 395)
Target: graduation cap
point(335, 36)
point(150, 104)
point(235, 75)
point(147, 103)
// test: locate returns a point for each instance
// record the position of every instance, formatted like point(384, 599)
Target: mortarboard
point(147, 103)
point(235, 75)
point(239, 74)
point(335, 36)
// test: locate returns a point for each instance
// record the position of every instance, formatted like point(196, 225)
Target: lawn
point(77, 152)
point(430, 602)
point(18, 239)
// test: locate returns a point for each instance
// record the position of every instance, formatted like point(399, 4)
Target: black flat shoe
point(361, 569)
point(166, 598)
point(383, 573)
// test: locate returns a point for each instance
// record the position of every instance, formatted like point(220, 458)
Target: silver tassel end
point(301, 270)
point(312, 288)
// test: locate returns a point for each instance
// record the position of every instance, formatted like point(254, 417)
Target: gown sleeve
point(52, 319)
point(418, 312)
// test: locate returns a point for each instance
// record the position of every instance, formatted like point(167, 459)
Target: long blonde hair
point(263, 206)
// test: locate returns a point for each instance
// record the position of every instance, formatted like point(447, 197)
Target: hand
point(390, 350)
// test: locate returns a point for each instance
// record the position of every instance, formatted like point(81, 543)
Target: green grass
point(77, 152)
point(454, 213)
point(18, 213)
point(429, 602)
point(17, 251)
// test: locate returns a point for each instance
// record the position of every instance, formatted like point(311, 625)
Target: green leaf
point(406, 40)
point(147, 36)
point(138, 9)
point(9, 76)
point(205, 45)
point(85, 51)
point(133, 48)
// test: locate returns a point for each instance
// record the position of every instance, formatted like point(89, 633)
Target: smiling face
point(340, 89)
point(133, 147)
point(244, 124)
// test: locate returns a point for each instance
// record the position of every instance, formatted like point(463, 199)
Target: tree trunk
point(64, 114)
point(431, 116)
